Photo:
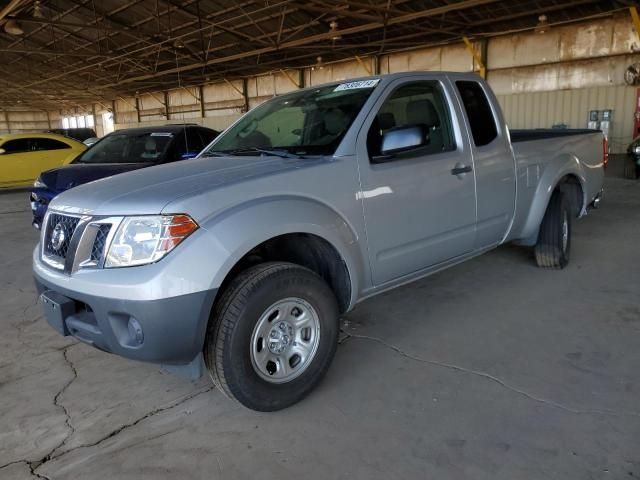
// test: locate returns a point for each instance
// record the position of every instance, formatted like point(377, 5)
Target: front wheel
point(554, 240)
point(273, 335)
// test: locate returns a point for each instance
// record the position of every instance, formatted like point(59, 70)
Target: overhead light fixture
point(13, 28)
point(543, 24)
point(37, 10)
point(319, 65)
point(334, 30)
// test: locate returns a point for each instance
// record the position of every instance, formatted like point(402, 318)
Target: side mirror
point(401, 139)
point(2, 151)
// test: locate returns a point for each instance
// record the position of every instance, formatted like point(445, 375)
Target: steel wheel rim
point(565, 232)
point(285, 340)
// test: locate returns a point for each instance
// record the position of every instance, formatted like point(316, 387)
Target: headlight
point(39, 183)
point(141, 240)
point(636, 149)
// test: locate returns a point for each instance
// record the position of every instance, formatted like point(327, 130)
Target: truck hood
point(69, 176)
point(147, 191)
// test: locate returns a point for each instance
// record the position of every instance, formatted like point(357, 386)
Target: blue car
point(119, 152)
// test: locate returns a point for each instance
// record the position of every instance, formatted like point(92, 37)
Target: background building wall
point(540, 80)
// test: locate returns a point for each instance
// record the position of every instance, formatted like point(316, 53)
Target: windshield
point(128, 148)
point(312, 121)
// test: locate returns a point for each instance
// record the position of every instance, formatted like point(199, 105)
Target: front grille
point(99, 244)
point(58, 235)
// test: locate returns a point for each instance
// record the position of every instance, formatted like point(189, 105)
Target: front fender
point(557, 168)
point(235, 231)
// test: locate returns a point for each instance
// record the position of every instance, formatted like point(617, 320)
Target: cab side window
point(479, 114)
point(414, 104)
point(49, 144)
point(19, 145)
point(207, 136)
point(194, 141)
point(187, 141)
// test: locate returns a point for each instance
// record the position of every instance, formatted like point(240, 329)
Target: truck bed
point(543, 154)
point(522, 135)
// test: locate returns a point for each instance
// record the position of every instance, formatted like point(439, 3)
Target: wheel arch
point(568, 175)
point(299, 230)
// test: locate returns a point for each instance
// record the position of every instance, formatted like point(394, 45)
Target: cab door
point(419, 205)
point(18, 155)
point(494, 162)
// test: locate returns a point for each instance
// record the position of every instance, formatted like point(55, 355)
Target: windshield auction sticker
point(359, 84)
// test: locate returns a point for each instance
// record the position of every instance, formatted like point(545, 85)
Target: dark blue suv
point(119, 152)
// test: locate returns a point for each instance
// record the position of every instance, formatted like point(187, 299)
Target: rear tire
point(273, 335)
point(554, 239)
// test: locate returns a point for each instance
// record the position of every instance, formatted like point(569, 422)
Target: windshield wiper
point(266, 151)
point(213, 154)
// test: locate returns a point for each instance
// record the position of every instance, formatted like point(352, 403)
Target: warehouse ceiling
point(66, 52)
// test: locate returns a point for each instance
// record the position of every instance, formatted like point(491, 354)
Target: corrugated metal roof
point(81, 50)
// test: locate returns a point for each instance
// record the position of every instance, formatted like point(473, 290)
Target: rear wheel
point(273, 336)
point(554, 239)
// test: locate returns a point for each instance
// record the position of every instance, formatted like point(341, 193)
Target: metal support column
point(138, 110)
point(635, 17)
point(114, 113)
point(6, 121)
point(201, 95)
point(245, 94)
point(166, 105)
point(479, 57)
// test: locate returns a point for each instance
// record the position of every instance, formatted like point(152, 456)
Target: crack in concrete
point(15, 462)
point(34, 465)
point(488, 376)
point(9, 212)
point(113, 433)
point(29, 466)
point(32, 469)
point(56, 399)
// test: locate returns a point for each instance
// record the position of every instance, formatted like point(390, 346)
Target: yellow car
point(23, 156)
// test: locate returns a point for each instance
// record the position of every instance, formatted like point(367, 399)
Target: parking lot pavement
point(492, 369)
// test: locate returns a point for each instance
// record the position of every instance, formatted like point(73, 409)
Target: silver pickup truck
point(313, 201)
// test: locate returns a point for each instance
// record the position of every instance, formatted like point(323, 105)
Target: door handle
point(461, 169)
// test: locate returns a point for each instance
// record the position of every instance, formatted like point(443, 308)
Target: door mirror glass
point(402, 139)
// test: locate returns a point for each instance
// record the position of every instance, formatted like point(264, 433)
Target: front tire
point(554, 239)
point(273, 335)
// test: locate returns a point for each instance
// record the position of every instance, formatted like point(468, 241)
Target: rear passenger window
point(188, 141)
point(479, 114)
point(18, 145)
point(194, 141)
point(414, 104)
point(207, 136)
point(49, 144)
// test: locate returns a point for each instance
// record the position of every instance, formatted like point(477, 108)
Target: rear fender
point(557, 168)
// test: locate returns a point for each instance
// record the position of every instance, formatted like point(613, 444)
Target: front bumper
point(169, 330)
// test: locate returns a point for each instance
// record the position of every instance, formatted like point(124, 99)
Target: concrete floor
point(494, 369)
